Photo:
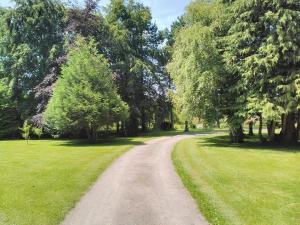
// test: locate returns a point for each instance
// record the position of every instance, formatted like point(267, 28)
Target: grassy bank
point(241, 184)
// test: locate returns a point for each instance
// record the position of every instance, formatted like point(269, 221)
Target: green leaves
point(247, 59)
point(138, 63)
point(31, 40)
point(37, 131)
point(25, 131)
point(8, 114)
point(84, 96)
point(196, 65)
point(267, 54)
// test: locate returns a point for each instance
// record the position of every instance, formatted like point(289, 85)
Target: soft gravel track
point(139, 188)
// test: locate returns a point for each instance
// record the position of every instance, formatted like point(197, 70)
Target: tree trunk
point(118, 127)
point(288, 133)
point(271, 130)
point(132, 126)
point(251, 128)
point(94, 135)
point(298, 124)
point(143, 121)
point(236, 134)
point(123, 128)
point(91, 134)
point(218, 123)
point(282, 123)
point(88, 133)
point(172, 118)
point(261, 138)
point(186, 128)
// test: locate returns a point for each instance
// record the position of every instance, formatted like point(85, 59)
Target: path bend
point(139, 188)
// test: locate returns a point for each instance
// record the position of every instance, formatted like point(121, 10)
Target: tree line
point(239, 60)
point(72, 70)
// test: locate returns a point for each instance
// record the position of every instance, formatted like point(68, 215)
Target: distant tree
point(84, 96)
point(25, 131)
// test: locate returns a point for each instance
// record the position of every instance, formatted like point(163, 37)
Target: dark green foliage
point(32, 37)
point(137, 62)
point(8, 113)
point(264, 46)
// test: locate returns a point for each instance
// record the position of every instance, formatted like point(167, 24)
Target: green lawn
point(41, 182)
point(241, 184)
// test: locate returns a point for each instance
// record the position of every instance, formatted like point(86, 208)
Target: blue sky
point(164, 12)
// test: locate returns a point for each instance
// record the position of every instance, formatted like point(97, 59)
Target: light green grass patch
point(241, 184)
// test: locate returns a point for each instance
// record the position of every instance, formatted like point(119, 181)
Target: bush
point(38, 132)
point(25, 131)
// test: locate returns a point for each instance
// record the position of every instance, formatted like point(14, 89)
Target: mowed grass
point(241, 184)
point(40, 182)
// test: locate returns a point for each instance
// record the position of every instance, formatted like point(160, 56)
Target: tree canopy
point(241, 60)
point(230, 60)
point(84, 96)
point(37, 37)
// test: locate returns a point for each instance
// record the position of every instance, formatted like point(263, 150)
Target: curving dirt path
point(139, 188)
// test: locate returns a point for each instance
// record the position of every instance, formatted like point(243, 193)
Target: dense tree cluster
point(239, 60)
point(120, 57)
point(74, 69)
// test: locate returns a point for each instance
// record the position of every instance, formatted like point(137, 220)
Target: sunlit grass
point(40, 182)
point(241, 184)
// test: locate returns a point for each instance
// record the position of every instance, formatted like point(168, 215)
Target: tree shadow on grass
point(109, 142)
point(251, 143)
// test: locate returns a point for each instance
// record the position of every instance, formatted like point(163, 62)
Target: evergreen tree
point(31, 41)
point(84, 96)
point(264, 47)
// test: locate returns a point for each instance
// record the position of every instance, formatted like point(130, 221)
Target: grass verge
point(247, 183)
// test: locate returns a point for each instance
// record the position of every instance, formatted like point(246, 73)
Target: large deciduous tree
point(137, 61)
point(194, 68)
point(206, 88)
